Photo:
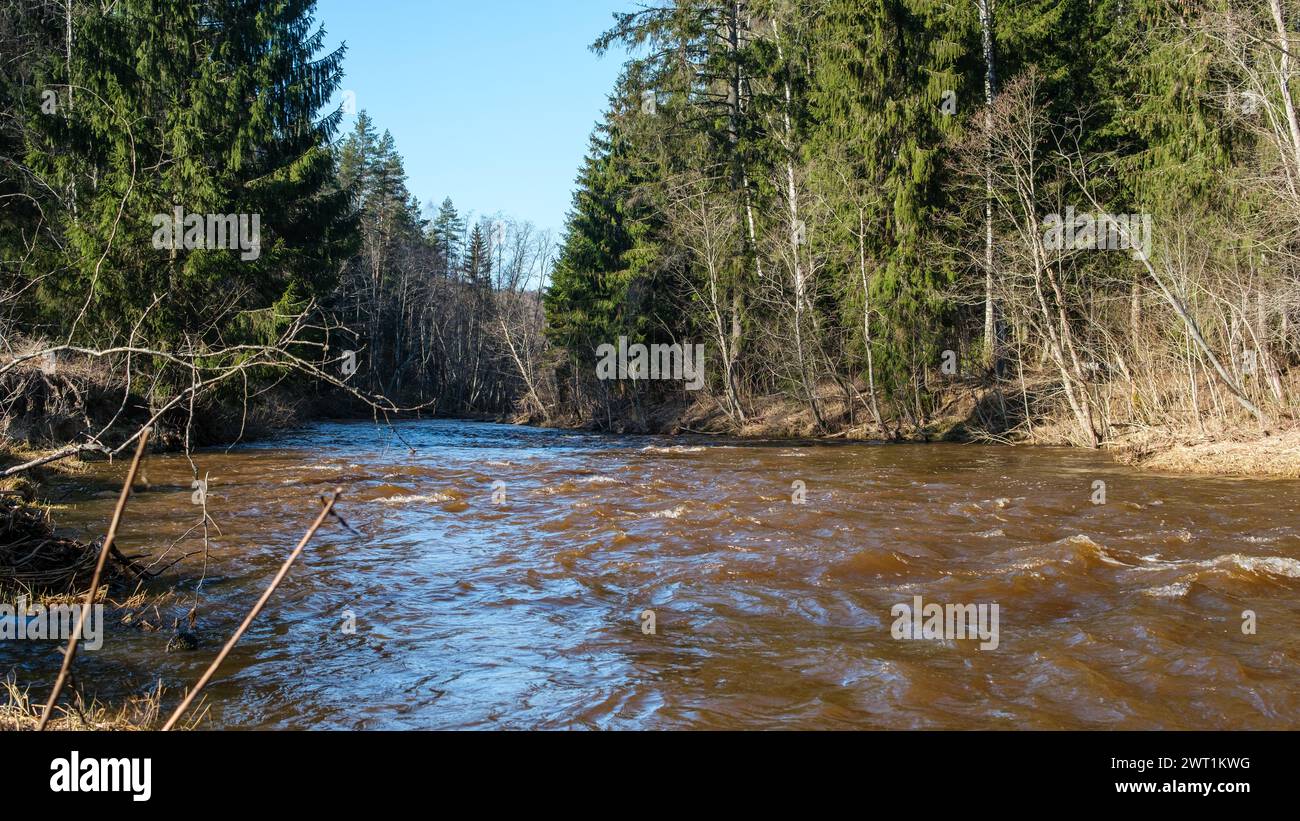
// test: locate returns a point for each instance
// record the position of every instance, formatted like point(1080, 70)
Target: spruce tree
point(212, 107)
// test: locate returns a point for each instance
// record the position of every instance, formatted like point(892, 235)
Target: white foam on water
point(1170, 591)
point(416, 498)
point(674, 513)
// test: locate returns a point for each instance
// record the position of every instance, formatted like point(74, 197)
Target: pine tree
point(447, 234)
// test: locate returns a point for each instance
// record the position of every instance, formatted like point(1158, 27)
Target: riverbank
point(59, 420)
point(45, 408)
point(970, 412)
point(1275, 456)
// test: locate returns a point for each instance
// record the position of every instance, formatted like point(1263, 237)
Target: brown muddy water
point(526, 611)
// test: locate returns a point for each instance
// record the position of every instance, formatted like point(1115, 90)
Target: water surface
point(526, 611)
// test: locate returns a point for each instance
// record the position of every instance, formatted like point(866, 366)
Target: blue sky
point(490, 102)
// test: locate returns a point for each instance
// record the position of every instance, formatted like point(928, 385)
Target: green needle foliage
point(211, 107)
point(882, 219)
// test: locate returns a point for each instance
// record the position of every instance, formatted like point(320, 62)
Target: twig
point(104, 549)
point(257, 608)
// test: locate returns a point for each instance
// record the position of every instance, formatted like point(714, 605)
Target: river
point(500, 577)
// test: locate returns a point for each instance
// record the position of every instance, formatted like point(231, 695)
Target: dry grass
point(777, 417)
point(1274, 456)
point(18, 712)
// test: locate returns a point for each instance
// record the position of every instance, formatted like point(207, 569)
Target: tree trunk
point(991, 342)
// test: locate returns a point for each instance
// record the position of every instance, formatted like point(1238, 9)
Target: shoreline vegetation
point(47, 412)
point(1270, 455)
